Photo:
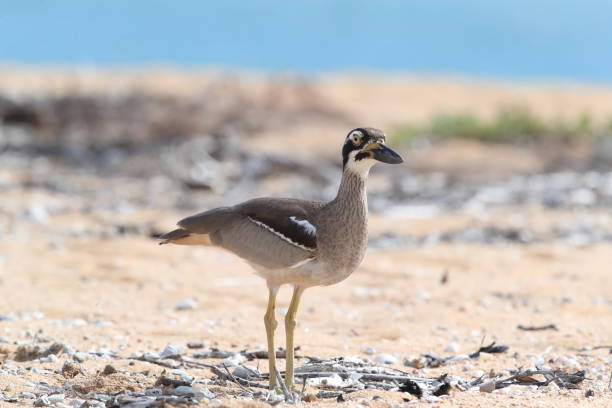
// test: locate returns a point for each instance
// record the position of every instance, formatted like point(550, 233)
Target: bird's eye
point(356, 138)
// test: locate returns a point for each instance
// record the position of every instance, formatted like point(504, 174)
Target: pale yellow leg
point(289, 328)
point(270, 322)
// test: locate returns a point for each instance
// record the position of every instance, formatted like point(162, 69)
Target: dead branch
point(368, 377)
point(538, 328)
point(525, 377)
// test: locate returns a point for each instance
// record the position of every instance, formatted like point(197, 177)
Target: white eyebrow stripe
point(308, 227)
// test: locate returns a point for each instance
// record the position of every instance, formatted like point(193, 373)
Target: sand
point(120, 293)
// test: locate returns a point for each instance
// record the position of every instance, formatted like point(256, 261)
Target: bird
point(296, 242)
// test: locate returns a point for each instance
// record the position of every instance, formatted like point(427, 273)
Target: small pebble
point(80, 357)
point(489, 386)
point(451, 348)
point(177, 371)
point(369, 351)
point(477, 373)
point(28, 395)
point(197, 393)
point(170, 351)
point(245, 372)
point(153, 392)
point(195, 345)
point(550, 387)
point(70, 369)
point(109, 369)
point(234, 360)
point(386, 359)
point(55, 398)
point(187, 304)
point(43, 401)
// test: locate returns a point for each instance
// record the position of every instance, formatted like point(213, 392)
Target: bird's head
point(363, 147)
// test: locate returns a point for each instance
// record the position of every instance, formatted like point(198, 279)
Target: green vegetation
point(510, 125)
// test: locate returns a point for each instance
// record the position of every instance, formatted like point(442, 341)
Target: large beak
point(384, 154)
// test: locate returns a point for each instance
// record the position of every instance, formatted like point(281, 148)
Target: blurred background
point(208, 102)
point(118, 118)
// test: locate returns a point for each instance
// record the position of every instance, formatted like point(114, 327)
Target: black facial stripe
point(362, 155)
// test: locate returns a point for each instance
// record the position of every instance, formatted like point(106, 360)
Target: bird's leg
point(270, 322)
point(289, 328)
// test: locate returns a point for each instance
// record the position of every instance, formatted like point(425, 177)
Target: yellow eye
point(356, 138)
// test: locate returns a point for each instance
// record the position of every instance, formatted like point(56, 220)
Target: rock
point(245, 372)
point(53, 349)
point(552, 386)
point(195, 345)
point(179, 372)
point(27, 353)
point(197, 393)
point(452, 348)
point(234, 360)
point(42, 401)
point(353, 360)
point(80, 357)
point(415, 362)
point(512, 390)
point(386, 359)
point(309, 397)
point(109, 369)
point(567, 362)
point(27, 395)
point(153, 392)
point(432, 398)
point(333, 381)
point(37, 213)
point(55, 398)
point(187, 304)
point(170, 351)
point(150, 356)
point(477, 373)
point(70, 369)
point(489, 386)
point(4, 340)
point(583, 197)
point(369, 351)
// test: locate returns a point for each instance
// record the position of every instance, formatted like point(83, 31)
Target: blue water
point(508, 39)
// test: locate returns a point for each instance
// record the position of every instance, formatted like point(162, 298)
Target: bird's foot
point(275, 395)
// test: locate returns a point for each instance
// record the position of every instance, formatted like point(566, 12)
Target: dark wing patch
point(285, 218)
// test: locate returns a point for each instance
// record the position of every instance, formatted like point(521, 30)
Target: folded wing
point(269, 232)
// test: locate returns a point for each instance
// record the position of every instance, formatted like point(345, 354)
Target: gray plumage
point(290, 241)
point(264, 232)
point(297, 242)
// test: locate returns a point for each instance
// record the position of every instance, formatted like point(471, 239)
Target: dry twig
point(538, 328)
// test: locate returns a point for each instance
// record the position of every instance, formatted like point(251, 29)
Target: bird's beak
point(383, 153)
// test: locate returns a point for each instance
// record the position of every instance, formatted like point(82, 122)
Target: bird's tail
point(182, 236)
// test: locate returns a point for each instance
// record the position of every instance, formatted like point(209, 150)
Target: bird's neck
point(352, 190)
